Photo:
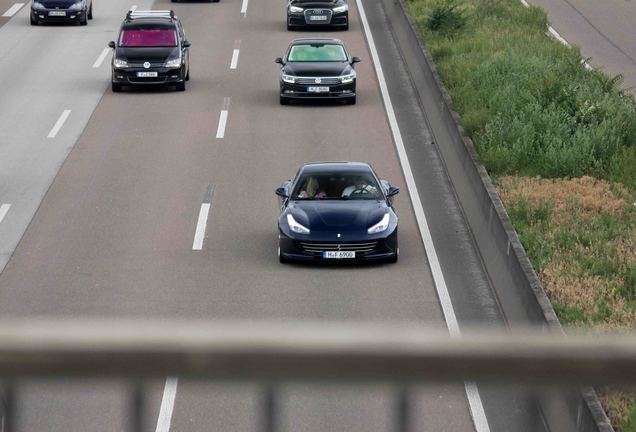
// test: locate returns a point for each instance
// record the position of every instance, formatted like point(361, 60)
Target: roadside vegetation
point(560, 142)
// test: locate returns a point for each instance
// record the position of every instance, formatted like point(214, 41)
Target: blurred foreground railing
point(277, 352)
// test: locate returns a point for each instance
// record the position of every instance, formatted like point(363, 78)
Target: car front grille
point(318, 12)
point(141, 65)
point(323, 80)
point(320, 247)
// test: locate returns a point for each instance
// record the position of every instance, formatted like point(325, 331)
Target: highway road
point(102, 194)
point(603, 30)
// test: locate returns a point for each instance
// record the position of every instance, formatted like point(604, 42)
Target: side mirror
point(186, 44)
point(393, 191)
point(111, 44)
point(279, 60)
point(355, 60)
point(281, 192)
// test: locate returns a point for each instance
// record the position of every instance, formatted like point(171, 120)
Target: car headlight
point(340, 9)
point(38, 5)
point(346, 79)
point(295, 9)
point(380, 226)
point(295, 226)
point(77, 6)
point(289, 79)
point(119, 63)
point(173, 63)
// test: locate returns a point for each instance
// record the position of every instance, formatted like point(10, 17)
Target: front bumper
point(304, 19)
point(297, 91)
point(129, 76)
point(367, 249)
point(43, 15)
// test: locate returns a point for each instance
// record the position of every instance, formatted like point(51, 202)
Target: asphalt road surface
point(102, 194)
point(604, 31)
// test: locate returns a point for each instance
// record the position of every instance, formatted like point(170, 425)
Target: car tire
point(281, 258)
point(90, 12)
point(351, 100)
point(116, 87)
point(84, 21)
point(394, 258)
point(284, 101)
point(290, 27)
point(346, 27)
point(187, 78)
point(174, 1)
point(34, 22)
point(180, 86)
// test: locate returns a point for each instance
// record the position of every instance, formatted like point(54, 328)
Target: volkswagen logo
point(338, 247)
point(147, 65)
point(317, 80)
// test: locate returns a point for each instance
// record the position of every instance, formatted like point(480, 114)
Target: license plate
point(57, 13)
point(318, 18)
point(339, 254)
point(318, 89)
point(147, 75)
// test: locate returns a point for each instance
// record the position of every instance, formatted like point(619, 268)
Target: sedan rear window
point(162, 37)
point(322, 52)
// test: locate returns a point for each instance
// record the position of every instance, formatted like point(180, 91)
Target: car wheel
point(346, 27)
point(187, 78)
point(394, 258)
point(291, 27)
point(90, 13)
point(174, 1)
point(34, 22)
point(181, 86)
point(281, 258)
point(84, 21)
point(351, 100)
point(284, 101)
point(116, 87)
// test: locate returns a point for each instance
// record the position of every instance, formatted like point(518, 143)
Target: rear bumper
point(164, 76)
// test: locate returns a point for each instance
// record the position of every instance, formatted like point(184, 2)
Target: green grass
point(526, 101)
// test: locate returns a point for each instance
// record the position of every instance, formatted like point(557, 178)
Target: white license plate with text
point(318, 18)
point(339, 254)
point(318, 89)
point(57, 13)
point(147, 74)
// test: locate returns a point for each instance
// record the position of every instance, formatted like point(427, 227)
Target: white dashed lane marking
point(101, 58)
point(4, 209)
point(13, 10)
point(60, 122)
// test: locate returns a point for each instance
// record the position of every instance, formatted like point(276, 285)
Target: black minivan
point(151, 50)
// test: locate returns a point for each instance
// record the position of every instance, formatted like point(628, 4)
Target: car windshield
point(317, 52)
point(148, 37)
point(337, 186)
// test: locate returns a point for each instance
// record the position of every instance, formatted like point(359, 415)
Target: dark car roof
point(305, 41)
point(318, 167)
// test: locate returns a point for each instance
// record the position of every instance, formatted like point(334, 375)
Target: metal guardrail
point(273, 353)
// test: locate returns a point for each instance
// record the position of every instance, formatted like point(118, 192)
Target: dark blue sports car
point(337, 211)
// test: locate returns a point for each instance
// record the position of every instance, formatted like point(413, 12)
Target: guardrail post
point(270, 409)
point(402, 410)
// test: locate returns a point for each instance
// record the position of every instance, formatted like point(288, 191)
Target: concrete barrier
point(518, 289)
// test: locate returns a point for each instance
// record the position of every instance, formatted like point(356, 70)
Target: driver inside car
point(359, 186)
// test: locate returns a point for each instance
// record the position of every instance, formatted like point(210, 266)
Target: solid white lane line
point(202, 223)
point(13, 10)
point(167, 405)
point(235, 57)
point(101, 58)
point(474, 400)
point(60, 122)
point(4, 209)
point(244, 7)
point(220, 132)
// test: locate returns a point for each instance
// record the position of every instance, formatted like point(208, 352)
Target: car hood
point(340, 215)
point(61, 4)
point(144, 54)
point(318, 4)
point(317, 69)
